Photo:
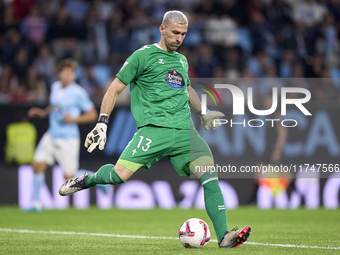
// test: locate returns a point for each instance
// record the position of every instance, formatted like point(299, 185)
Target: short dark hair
point(68, 62)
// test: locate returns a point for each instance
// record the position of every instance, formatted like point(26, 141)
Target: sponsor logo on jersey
point(160, 61)
point(174, 79)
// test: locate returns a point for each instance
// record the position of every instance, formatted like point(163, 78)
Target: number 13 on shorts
point(147, 145)
point(141, 144)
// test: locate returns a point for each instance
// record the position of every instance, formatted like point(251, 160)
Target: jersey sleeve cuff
point(122, 79)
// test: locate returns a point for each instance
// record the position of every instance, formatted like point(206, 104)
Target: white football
point(194, 233)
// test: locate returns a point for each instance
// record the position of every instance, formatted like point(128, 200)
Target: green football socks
point(214, 204)
point(213, 198)
point(105, 175)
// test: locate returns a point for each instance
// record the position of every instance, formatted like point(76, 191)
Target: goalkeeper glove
point(98, 135)
point(208, 122)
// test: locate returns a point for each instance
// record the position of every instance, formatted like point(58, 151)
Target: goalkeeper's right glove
point(98, 135)
point(208, 120)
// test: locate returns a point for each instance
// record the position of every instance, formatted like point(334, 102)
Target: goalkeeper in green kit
point(161, 97)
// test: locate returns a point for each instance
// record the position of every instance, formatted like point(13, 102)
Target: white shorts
point(64, 151)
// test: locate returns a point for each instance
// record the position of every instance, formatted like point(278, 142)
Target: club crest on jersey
point(174, 79)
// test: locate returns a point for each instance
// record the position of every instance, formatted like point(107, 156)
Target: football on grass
point(194, 233)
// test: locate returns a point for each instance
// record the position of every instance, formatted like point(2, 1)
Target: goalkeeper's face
point(173, 35)
point(67, 75)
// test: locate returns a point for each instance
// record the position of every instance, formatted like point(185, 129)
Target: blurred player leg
point(38, 181)
point(42, 158)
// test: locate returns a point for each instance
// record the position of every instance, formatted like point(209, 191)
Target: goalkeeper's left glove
point(98, 135)
point(208, 122)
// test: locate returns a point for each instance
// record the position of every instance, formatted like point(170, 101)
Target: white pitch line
point(26, 231)
point(294, 246)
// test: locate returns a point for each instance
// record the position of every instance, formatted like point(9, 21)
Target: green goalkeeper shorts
point(184, 148)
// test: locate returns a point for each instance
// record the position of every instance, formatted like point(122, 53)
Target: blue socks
point(38, 182)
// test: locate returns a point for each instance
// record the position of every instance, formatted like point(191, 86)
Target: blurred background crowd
point(226, 39)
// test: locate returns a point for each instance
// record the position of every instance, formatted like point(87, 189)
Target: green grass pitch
point(94, 231)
